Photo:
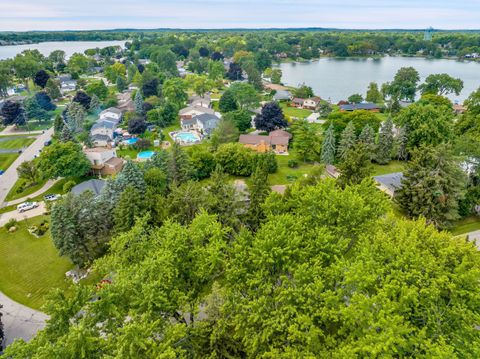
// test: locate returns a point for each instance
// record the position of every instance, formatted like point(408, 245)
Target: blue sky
point(19, 15)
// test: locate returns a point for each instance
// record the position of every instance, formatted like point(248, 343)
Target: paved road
point(20, 321)
point(49, 184)
point(8, 179)
point(5, 217)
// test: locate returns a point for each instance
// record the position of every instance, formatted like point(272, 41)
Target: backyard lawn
point(37, 125)
point(392, 167)
point(294, 112)
point(287, 175)
point(30, 267)
point(15, 142)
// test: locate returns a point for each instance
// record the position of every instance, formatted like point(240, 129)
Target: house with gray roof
point(389, 183)
point(367, 106)
point(204, 123)
point(102, 132)
point(94, 185)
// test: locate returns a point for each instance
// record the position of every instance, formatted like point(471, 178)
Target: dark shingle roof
point(93, 185)
point(359, 106)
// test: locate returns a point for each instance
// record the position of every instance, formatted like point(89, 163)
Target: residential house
point(189, 112)
point(312, 103)
point(298, 102)
point(282, 95)
point(112, 114)
point(199, 101)
point(102, 133)
point(204, 123)
point(276, 141)
point(389, 183)
point(67, 84)
point(125, 102)
point(367, 106)
point(459, 109)
point(94, 185)
point(104, 161)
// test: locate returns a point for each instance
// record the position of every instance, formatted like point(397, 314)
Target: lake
point(336, 79)
point(70, 47)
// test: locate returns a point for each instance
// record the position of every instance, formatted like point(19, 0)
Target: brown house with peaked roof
point(276, 141)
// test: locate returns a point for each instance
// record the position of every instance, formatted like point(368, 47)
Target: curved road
point(8, 179)
point(20, 321)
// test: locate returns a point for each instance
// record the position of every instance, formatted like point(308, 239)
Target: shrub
point(292, 164)
point(11, 223)
point(67, 187)
point(142, 144)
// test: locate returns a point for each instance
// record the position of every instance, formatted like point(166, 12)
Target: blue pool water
point(187, 137)
point(131, 141)
point(145, 155)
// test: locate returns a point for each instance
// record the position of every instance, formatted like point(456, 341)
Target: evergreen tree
point(94, 103)
point(328, 146)
point(131, 205)
point(121, 84)
point(367, 137)
point(347, 140)
point(259, 191)
point(355, 166)
point(179, 167)
point(58, 125)
point(52, 89)
point(223, 199)
point(138, 101)
point(385, 143)
point(402, 154)
point(131, 175)
point(432, 186)
point(66, 134)
point(306, 141)
point(227, 102)
point(75, 116)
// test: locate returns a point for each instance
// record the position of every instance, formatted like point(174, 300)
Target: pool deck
point(174, 134)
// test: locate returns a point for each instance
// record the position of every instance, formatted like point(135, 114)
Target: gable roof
point(206, 119)
point(200, 109)
point(282, 95)
point(359, 106)
point(271, 139)
point(280, 133)
point(111, 110)
point(104, 124)
point(298, 101)
point(94, 185)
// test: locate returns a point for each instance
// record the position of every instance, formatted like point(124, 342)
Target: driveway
point(5, 217)
point(8, 179)
point(20, 321)
point(475, 238)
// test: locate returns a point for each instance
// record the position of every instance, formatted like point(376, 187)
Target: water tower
point(428, 34)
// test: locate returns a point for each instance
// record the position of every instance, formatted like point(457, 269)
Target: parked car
point(26, 206)
point(52, 197)
point(48, 143)
point(2, 172)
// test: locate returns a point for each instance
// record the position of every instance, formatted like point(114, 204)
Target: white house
point(102, 132)
point(104, 161)
point(111, 113)
point(204, 123)
point(312, 103)
point(189, 112)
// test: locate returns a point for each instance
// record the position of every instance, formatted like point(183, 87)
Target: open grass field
point(15, 142)
point(294, 112)
point(6, 159)
point(16, 193)
point(30, 266)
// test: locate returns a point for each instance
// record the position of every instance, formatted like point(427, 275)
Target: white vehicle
point(26, 206)
point(52, 197)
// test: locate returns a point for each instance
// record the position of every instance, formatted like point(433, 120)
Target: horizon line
point(243, 29)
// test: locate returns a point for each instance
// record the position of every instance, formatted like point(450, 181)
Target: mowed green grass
point(6, 159)
point(30, 266)
point(286, 175)
point(15, 143)
point(466, 225)
point(294, 112)
point(392, 167)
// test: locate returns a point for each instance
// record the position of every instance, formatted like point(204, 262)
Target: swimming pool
point(145, 155)
point(188, 137)
point(131, 141)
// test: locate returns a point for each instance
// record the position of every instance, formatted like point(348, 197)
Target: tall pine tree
point(138, 102)
point(385, 143)
point(131, 175)
point(259, 191)
point(328, 146)
point(131, 205)
point(347, 140)
point(402, 144)
point(367, 137)
point(179, 168)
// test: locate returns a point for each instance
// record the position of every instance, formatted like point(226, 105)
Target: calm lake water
point(70, 47)
point(337, 79)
